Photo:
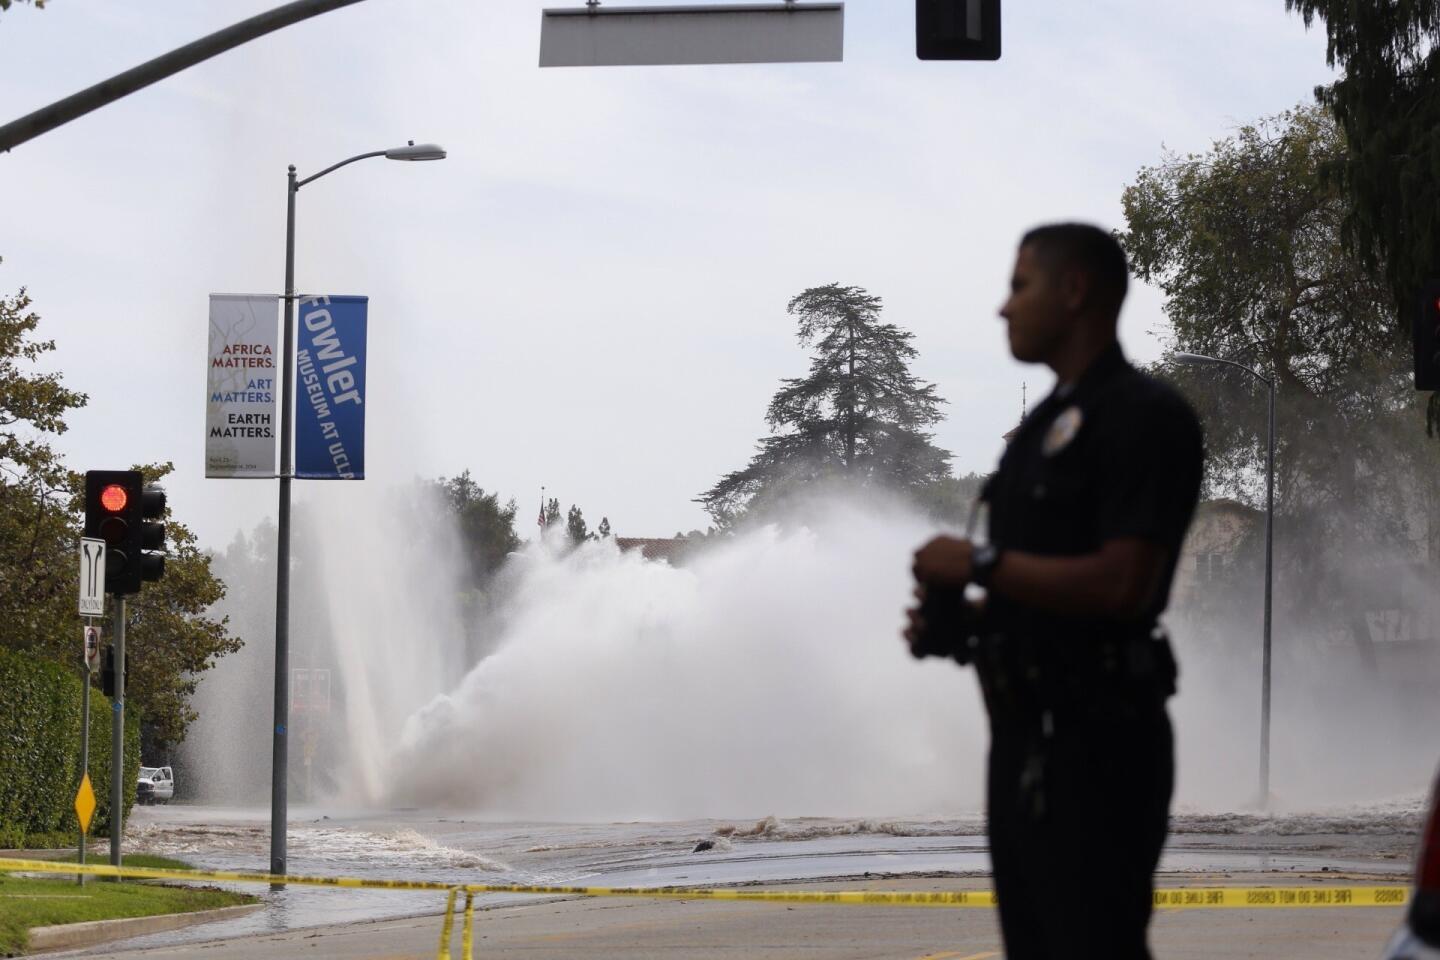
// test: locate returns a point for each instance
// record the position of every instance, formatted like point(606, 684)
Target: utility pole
point(117, 737)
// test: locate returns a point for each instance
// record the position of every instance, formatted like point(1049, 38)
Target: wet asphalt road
point(680, 930)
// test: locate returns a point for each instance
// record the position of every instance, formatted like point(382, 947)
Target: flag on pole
point(541, 521)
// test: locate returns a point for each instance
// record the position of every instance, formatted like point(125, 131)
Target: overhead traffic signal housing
point(152, 534)
point(123, 513)
point(1427, 338)
point(957, 29)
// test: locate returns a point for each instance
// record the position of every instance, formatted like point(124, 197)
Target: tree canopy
point(1246, 242)
point(1387, 102)
point(858, 418)
point(486, 526)
point(41, 502)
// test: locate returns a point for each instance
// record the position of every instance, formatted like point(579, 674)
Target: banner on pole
point(330, 388)
point(240, 391)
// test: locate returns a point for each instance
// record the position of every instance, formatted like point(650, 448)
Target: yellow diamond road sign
point(85, 803)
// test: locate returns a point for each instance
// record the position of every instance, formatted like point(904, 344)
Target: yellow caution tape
point(1185, 897)
point(467, 937)
point(1259, 897)
point(444, 952)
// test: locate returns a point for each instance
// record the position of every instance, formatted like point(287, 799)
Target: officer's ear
point(1076, 287)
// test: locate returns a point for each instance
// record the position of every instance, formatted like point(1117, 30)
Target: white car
point(156, 785)
point(1419, 936)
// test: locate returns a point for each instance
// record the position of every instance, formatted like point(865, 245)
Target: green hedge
point(40, 750)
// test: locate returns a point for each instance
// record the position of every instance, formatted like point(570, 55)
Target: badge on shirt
point(1062, 430)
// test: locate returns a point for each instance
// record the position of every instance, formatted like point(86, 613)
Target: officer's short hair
point(1087, 248)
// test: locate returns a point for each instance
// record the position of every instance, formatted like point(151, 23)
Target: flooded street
point(418, 845)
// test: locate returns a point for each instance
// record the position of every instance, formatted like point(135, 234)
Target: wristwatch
point(983, 561)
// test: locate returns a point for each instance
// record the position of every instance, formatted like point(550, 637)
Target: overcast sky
point(590, 292)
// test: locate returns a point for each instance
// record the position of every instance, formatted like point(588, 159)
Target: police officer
point(1086, 516)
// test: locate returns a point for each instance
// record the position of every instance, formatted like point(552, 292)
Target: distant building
point(672, 550)
point(1215, 536)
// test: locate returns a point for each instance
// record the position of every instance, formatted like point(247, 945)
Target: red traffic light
point(114, 497)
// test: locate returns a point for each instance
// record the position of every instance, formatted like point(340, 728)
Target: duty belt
point(1023, 674)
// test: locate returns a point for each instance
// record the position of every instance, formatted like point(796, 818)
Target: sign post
point(92, 604)
point(84, 799)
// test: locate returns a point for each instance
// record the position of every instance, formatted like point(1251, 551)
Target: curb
point(65, 936)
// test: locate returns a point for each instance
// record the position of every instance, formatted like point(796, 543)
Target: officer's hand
point(944, 561)
point(914, 632)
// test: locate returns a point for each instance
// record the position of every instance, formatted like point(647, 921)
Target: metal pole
point(1269, 576)
point(279, 766)
point(117, 738)
point(84, 744)
point(61, 112)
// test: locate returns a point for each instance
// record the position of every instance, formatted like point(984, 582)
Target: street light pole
point(1269, 576)
point(1196, 359)
point(280, 744)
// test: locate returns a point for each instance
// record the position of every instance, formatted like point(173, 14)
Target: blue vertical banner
point(330, 388)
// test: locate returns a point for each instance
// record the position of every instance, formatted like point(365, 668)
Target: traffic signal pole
point(117, 737)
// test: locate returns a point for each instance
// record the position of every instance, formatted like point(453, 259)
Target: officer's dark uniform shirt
point(1117, 455)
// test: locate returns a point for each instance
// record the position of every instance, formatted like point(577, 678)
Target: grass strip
point(26, 903)
point(148, 860)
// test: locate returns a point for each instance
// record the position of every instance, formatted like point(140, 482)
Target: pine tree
point(858, 418)
point(576, 527)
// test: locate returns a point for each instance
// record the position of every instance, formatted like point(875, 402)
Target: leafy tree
point(576, 527)
point(170, 637)
point(950, 499)
point(1388, 105)
point(552, 513)
point(40, 506)
point(37, 568)
point(1246, 242)
point(487, 528)
point(603, 531)
point(36, 554)
point(858, 419)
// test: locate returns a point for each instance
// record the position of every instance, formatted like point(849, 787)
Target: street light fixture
point(280, 744)
point(413, 151)
point(1197, 359)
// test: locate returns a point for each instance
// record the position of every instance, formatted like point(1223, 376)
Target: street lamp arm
point(336, 166)
point(1196, 358)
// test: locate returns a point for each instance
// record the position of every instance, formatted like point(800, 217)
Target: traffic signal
point(957, 29)
point(152, 534)
point(120, 510)
point(1427, 338)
